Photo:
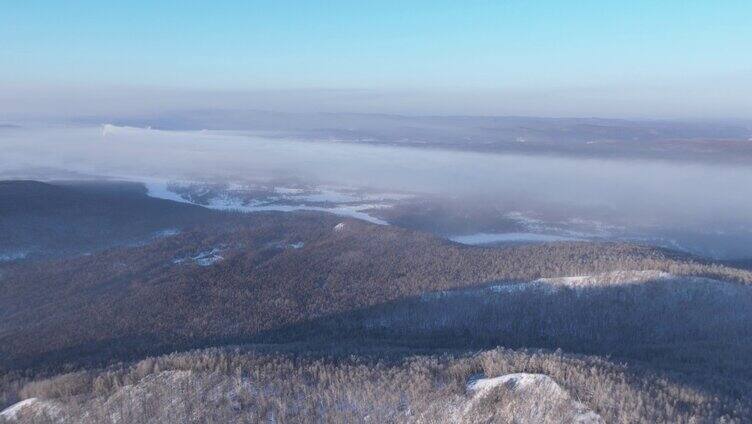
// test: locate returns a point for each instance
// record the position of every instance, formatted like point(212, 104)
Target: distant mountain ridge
point(596, 137)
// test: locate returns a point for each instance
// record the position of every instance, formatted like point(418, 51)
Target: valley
point(310, 285)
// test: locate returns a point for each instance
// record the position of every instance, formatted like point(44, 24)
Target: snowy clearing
point(12, 256)
point(531, 398)
point(288, 200)
point(11, 412)
point(31, 410)
point(579, 283)
point(204, 258)
point(489, 238)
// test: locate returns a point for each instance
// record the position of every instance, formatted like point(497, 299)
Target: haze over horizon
point(668, 60)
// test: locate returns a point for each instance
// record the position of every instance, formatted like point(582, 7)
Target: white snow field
point(31, 409)
point(287, 200)
point(490, 238)
point(529, 398)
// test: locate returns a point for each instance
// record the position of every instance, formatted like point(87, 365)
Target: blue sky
point(463, 47)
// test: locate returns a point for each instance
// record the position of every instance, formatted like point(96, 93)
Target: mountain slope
point(43, 220)
point(255, 274)
point(246, 384)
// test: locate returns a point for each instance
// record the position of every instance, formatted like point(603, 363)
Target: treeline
point(245, 385)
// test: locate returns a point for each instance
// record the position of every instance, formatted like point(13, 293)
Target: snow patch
point(489, 238)
point(343, 204)
point(32, 408)
point(607, 278)
point(167, 232)
point(517, 381)
point(205, 258)
point(288, 190)
point(161, 190)
point(109, 129)
point(513, 287)
point(11, 412)
point(348, 211)
point(328, 196)
point(531, 397)
point(208, 258)
point(339, 227)
point(12, 256)
point(579, 283)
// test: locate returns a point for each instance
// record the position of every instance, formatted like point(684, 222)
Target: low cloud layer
point(636, 191)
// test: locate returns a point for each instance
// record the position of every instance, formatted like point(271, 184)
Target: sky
point(639, 58)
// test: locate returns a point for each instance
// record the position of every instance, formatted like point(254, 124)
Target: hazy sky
point(668, 58)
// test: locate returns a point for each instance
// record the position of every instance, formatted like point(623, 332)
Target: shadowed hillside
point(228, 283)
point(42, 220)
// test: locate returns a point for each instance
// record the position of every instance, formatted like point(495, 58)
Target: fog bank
point(643, 191)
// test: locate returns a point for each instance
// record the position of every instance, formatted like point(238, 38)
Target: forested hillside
point(43, 220)
point(268, 271)
point(316, 299)
point(250, 385)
